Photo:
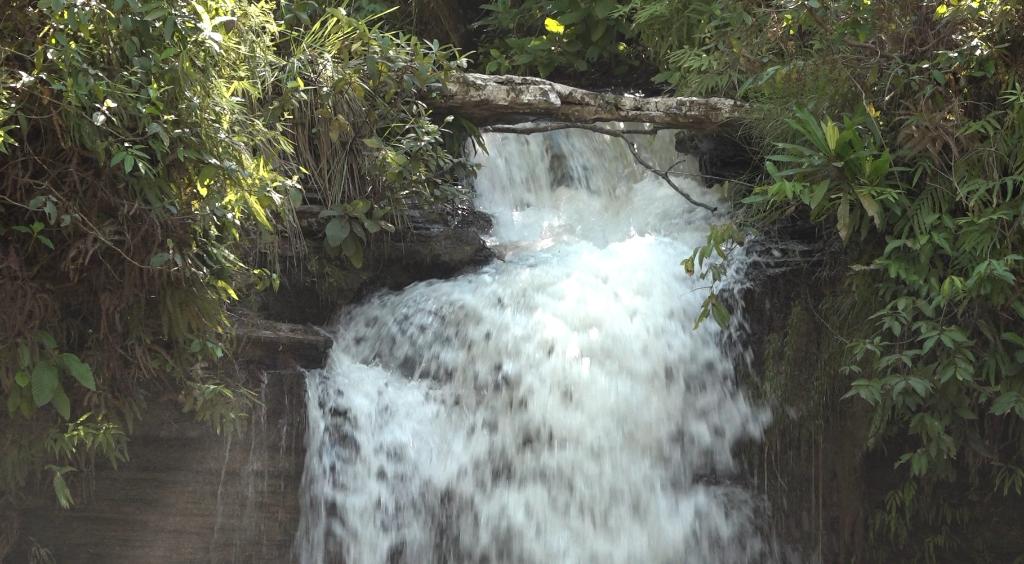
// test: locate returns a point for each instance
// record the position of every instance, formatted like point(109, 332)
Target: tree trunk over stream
point(505, 99)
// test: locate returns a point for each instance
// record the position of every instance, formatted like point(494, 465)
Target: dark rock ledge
point(277, 344)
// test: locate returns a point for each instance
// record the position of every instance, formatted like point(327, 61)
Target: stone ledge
point(264, 340)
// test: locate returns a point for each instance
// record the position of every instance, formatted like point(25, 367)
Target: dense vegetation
point(904, 142)
point(144, 146)
point(151, 156)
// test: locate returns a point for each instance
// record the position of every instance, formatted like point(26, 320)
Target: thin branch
point(702, 176)
point(621, 134)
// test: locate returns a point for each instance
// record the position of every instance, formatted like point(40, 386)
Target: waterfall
point(556, 406)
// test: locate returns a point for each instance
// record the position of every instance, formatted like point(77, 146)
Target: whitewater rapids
point(556, 406)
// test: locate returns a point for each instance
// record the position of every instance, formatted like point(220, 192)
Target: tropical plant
point(542, 37)
point(920, 178)
point(152, 154)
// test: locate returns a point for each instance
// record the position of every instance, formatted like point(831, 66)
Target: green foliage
point(710, 260)
point(38, 379)
point(349, 228)
point(544, 36)
point(144, 149)
point(840, 170)
point(132, 167)
point(224, 408)
point(697, 43)
point(920, 177)
point(364, 141)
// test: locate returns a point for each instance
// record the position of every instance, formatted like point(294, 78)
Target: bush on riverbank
point(147, 150)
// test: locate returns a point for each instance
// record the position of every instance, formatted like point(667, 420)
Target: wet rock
point(719, 155)
point(273, 341)
point(187, 494)
point(428, 243)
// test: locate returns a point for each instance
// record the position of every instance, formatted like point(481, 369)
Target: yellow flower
point(554, 26)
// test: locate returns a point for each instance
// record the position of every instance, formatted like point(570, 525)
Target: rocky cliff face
point(189, 495)
point(827, 490)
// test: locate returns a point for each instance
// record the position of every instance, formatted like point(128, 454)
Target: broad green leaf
point(354, 251)
point(922, 387)
point(603, 8)
point(721, 314)
point(818, 192)
point(61, 402)
point(46, 339)
point(869, 390)
point(44, 382)
point(359, 207)
point(1005, 402)
point(871, 206)
point(573, 17)
point(156, 14)
point(1014, 338)
point(337, 231)
point(918, 464)
point(79, 370)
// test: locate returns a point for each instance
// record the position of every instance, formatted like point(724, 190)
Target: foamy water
point(553, 407)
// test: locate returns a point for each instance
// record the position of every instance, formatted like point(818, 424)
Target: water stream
point(556, 406)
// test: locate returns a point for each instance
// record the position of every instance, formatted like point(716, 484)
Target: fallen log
point(506, 99)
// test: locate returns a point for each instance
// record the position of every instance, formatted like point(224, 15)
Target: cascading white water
point(553, 407)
